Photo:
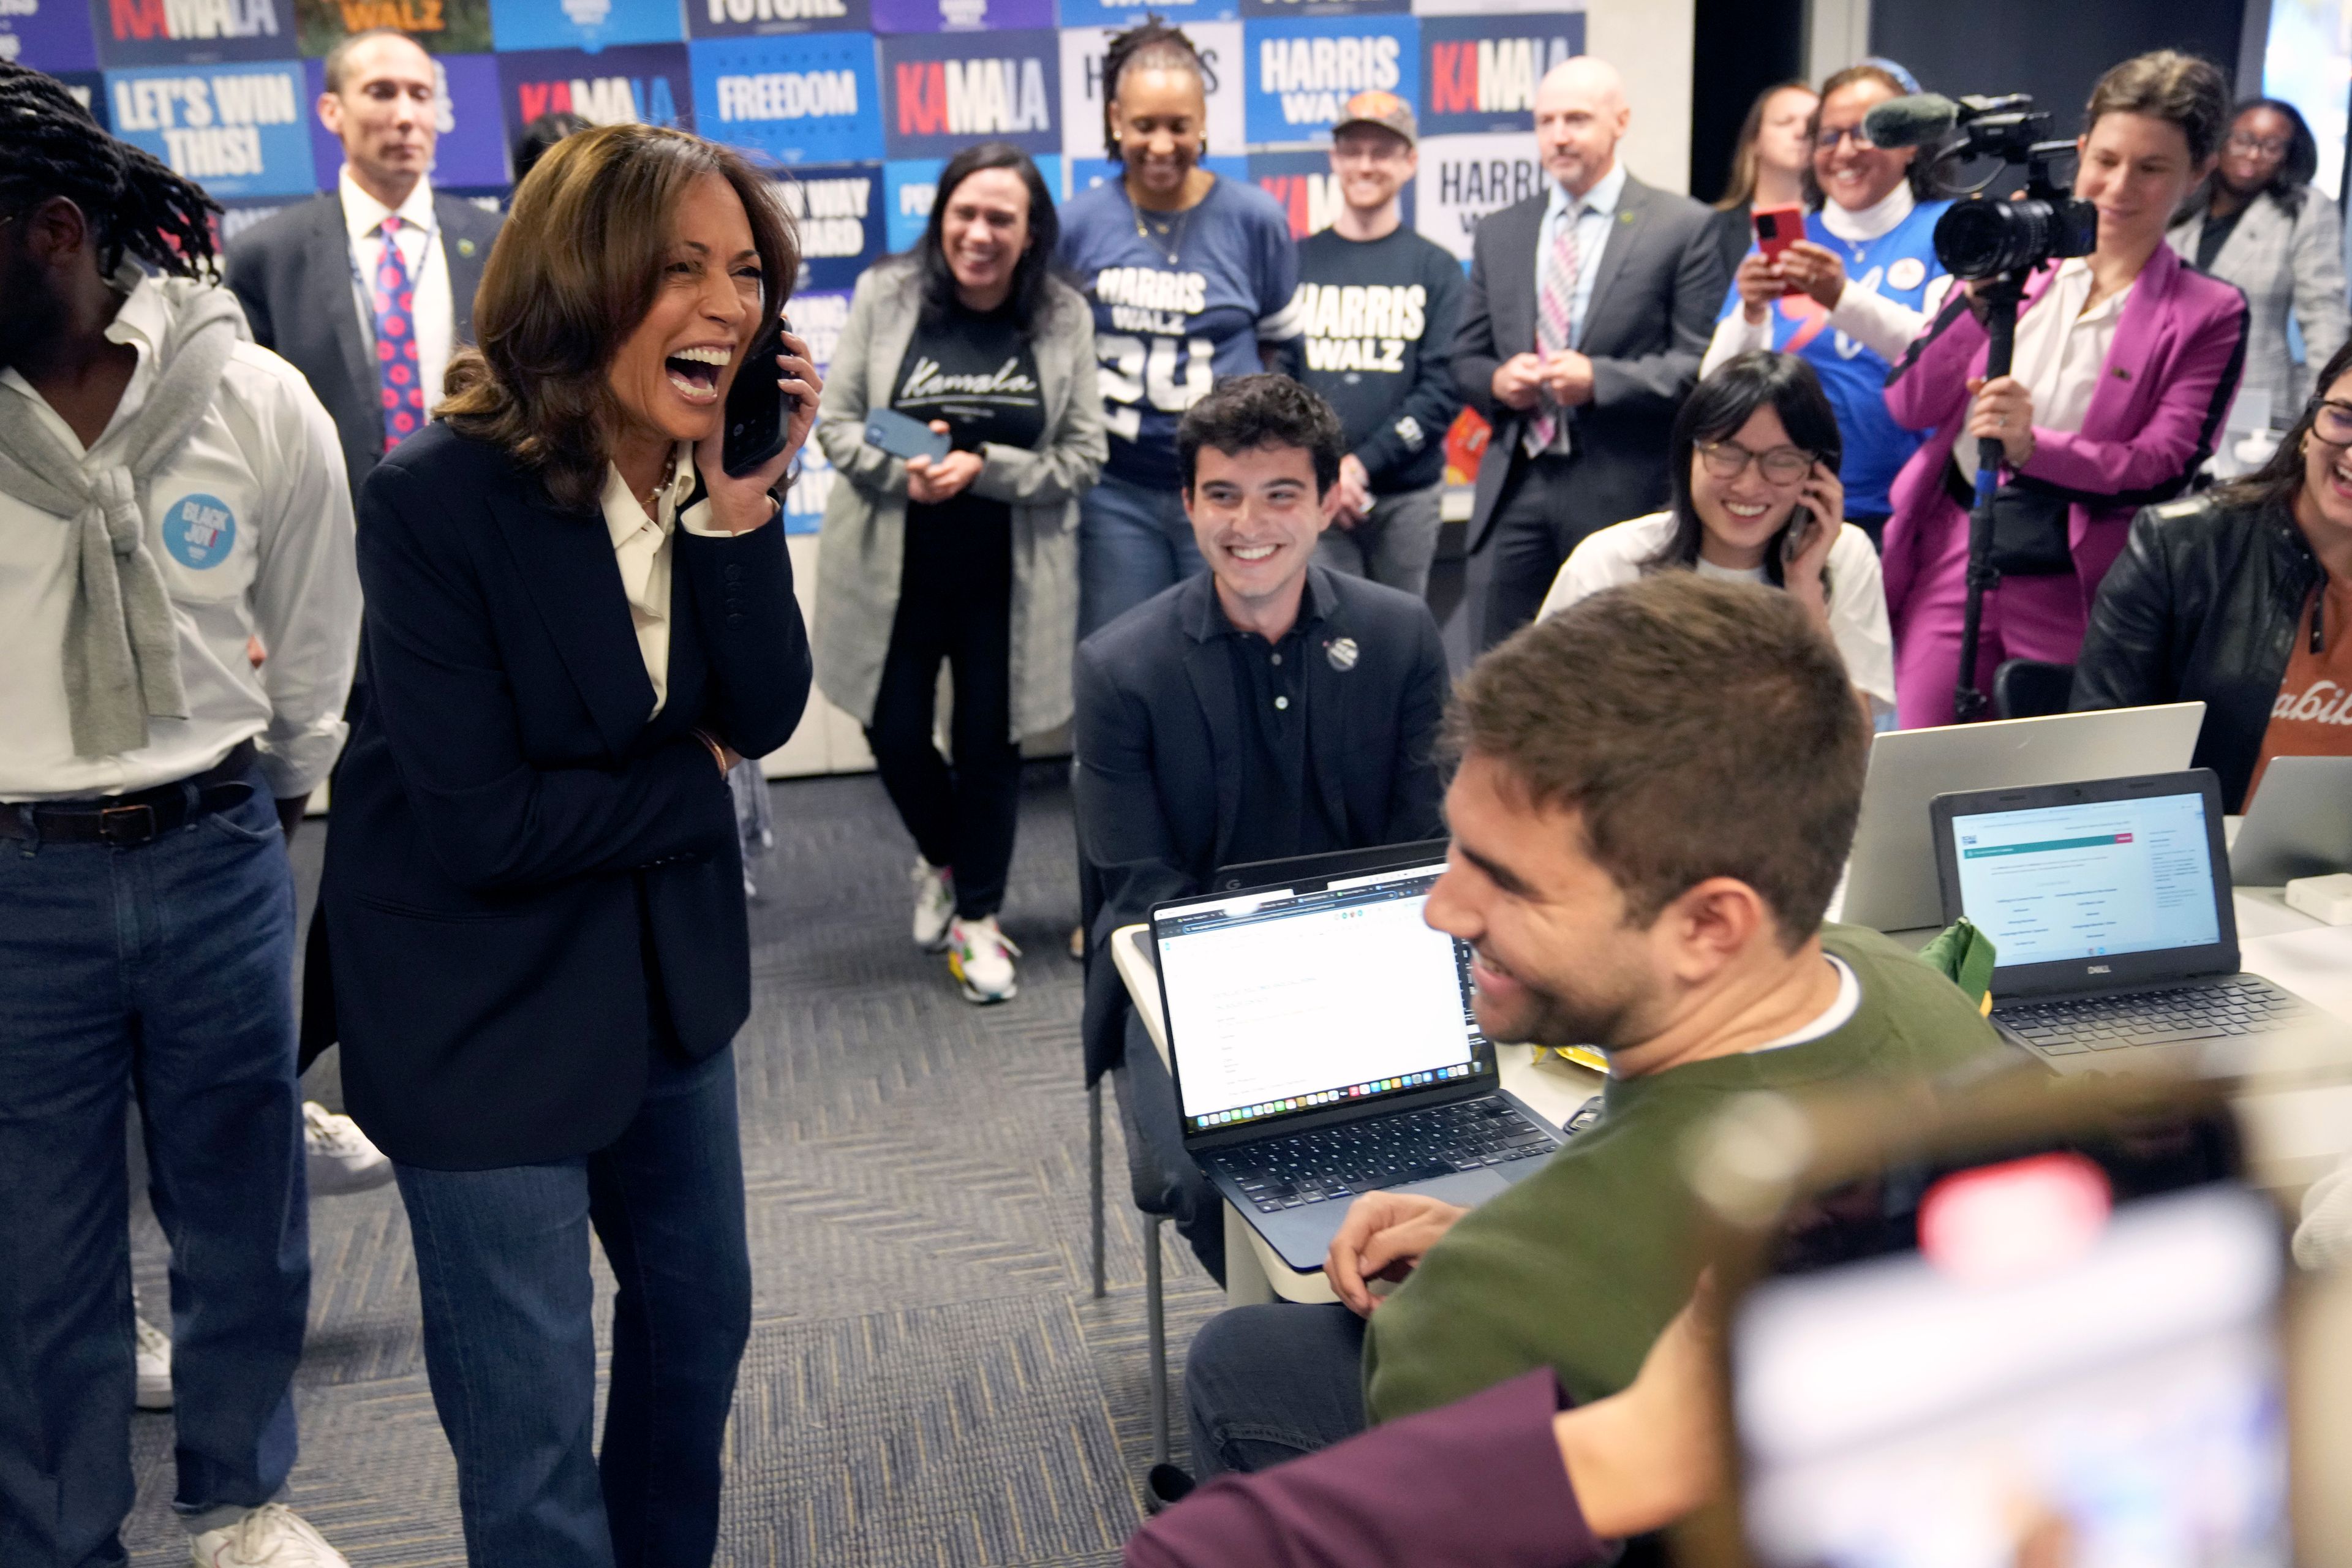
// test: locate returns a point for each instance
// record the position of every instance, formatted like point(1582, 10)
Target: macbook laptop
point(1891, 878)
point(2299, 823)
point(1321, 1040)
point(2108, 905)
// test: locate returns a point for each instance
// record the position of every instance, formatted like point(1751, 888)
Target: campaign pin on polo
point(1343, 653)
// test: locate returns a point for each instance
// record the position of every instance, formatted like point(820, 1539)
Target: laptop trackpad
point(1303, 1235)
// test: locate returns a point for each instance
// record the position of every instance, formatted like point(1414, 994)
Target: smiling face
point(2255, 150)
point(984, 233)
point(671, 374)
point(1255, 516)
point(1580, 114)
point(2135, 169)
point(1159, 119)
point(1850, 172)
point(1372, 165)
point(1780, 142)
point(1741, 514)
point(383, 113)
point(2323, 506)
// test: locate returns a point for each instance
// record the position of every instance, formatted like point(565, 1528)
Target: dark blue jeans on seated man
point(1270, 1383)
point(511, 1350)
point(167, 969)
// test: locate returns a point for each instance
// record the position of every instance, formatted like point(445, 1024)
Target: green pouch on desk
point(1964, 955)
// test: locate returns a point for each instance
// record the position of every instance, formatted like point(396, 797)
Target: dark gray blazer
point(1654, 302)
point(292, 273)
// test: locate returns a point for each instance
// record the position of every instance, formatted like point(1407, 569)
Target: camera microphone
point(1918, 120)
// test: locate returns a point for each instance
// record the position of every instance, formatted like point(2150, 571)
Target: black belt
point(127, 821)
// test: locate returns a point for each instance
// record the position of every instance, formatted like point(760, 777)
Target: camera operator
point(2125, 360)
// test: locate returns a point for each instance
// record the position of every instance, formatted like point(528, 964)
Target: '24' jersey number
point(1135, 370)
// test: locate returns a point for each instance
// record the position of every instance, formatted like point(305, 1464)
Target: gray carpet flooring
point(929, 1380)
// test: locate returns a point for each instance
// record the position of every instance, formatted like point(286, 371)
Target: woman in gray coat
point(969, 558)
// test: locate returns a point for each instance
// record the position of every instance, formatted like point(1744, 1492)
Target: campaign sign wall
point(762, 18)
point(1303, 186)
point(1301, 72)
point(818, 317)
point(643, 82)
point(806, 98)
point(946, 92)
point(239, 213)
point(1480, 72)
point(471, 151)
point(88, 89)
point(1251, 8)
point(1464, 178)
point(48, 35)
point(1127, 13)
point(1083, 48)
point(590, 25)
point(837, 211)
point(910, 184)
point(441, 27)
point(191, 32)
point(236, 130)
point(959, 16)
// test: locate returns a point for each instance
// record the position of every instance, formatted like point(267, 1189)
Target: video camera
point(1980, 238)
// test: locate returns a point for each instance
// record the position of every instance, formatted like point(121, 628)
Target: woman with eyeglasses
point(1752, 464)
point(2242, 598)
point(2260, 224)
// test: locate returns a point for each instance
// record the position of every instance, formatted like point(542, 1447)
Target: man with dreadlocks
point(167, 492)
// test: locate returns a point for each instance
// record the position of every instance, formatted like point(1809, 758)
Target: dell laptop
point(2109, 906)
point(1322, 1043)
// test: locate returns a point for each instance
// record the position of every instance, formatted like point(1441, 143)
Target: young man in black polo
point(1378, 304)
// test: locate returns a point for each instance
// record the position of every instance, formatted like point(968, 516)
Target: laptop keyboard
point(1384, 1152)
point(2244, 1005)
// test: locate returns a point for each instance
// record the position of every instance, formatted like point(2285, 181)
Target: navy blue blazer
point(1159, 745)
point(528, 881)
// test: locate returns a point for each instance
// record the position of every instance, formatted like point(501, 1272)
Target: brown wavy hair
point(573, 271)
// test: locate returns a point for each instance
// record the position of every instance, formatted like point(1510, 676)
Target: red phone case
point(1788, 226)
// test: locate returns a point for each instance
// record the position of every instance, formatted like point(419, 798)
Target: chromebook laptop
point(2299, 823)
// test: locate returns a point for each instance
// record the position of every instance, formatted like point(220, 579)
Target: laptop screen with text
point(1281, 1002)
point(2089, 880)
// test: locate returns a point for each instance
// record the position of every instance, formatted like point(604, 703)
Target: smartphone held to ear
point(901, 437)
point(759, 410)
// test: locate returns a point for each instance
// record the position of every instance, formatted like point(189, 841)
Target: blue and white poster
point(645, 83)
point(764, 18)
point(808, 99)
point(1128, 13)
point(1301, 72)
point(48, 35)
point(946, 92)
point(1220, 46)
point(236, 130)
point(471, 151)
point(1481, 71)
point(837, 211)
point(192, 32)
point(959, 16)
point(589, 25)
point(1251, 9)
point(818, 317)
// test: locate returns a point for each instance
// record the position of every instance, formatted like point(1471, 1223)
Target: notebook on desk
point(1322, 1043)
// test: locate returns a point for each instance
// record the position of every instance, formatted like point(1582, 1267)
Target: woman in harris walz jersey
point(1191, 279)
point(1849, 297)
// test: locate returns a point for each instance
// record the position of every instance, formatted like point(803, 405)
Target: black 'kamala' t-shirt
point(976, 372)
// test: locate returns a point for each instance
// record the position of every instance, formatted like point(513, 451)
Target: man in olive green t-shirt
point(1657, 789)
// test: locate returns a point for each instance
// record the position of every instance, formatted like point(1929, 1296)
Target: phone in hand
point(902, 436)
point(1777, 228)
point(759, 411)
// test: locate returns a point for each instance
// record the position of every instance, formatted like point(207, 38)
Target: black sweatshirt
point(1378, 318)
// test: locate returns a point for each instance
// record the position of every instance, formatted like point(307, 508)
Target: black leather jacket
point(2204, 604)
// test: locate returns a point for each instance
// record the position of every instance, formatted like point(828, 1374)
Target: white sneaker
point(934, 904)
point(270, 1536)
point(339, 1155)
point(154, 1354)
point(980, 957)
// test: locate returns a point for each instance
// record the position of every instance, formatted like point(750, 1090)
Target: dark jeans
point(167, 971)
point(502, 1264)
point(1133, 542)
point(1531, 535)
point(1164, 1178)
point(1262, 1384)
point(955, 603)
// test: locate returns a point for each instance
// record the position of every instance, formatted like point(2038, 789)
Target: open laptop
point(1891, 878)
point(1321, 1040)
point(2299, 823)
point(2108, 904)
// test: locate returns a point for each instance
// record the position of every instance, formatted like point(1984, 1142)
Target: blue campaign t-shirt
point(1165, 332)
point(1898, 265)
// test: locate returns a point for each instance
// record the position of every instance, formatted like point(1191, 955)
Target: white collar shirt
point(2060, 352)
point(641, 547)
point(434, 316)
point(250, 525)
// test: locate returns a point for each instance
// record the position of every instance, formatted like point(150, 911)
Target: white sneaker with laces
point(270, 1536)
point(934, 904)
point(339, 1156)
point(154, 1354)
point(980, 957)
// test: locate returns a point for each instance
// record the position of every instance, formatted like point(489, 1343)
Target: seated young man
point(1265, 709)
point(1656, 790)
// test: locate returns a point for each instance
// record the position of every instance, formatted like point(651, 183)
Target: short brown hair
point(2167, 84)
point(339, 58)
point(1698, 728)
point(573, 273)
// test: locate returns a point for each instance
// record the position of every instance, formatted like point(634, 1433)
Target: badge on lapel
point(1343, 653)
point(466, 247)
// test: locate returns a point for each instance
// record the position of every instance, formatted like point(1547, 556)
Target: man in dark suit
point(1265, 709)
point(369, 289)
point(1590, 307)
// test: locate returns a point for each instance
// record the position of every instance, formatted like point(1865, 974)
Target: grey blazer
point(1654, 300)
point(863, 540)
point(292, 273)
point(2286, 262)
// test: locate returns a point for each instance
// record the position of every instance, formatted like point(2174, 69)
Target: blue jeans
point(1266, 1383)
point(502, 1263)
point(1132, 543)
point(164, 970)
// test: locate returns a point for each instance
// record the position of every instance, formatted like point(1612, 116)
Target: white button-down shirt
point(642, 548)
point(2060, 352)
point(251, 527)
point(1593, 214)
point(434, 316)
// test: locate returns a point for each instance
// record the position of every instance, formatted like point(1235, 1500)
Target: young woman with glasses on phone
point(2242, 598)
point(1753, 463)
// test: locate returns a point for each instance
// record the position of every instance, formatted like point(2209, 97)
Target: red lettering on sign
point(1289, 194)
point(1454, 78)
point(137, 19)
point(922, 97)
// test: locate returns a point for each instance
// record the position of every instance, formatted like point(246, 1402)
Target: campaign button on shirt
point(199, 531)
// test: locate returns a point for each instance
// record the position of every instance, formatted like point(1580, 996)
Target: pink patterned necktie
point(1554, 294)
point(399, 377)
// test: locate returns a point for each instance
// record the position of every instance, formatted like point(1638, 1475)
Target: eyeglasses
point(1781, 465)
point(1828, 136)
point(2246, 141)
point(2331, 423)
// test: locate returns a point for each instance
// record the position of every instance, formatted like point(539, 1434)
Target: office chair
point(2030, 688)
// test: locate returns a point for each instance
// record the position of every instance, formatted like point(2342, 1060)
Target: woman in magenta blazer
point(2088, 438)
